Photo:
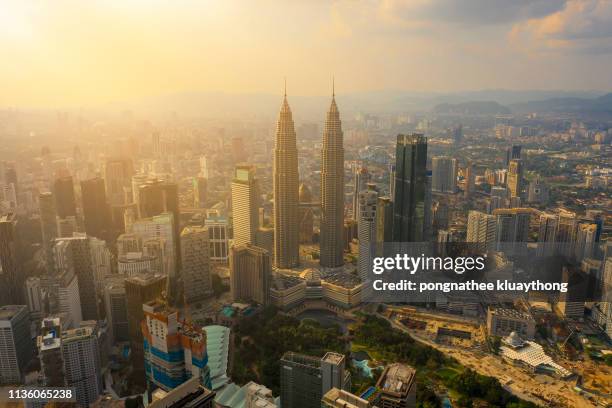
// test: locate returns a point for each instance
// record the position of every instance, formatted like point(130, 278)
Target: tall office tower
point(597, 217)
point(65, 203)
point(410, 188)
point(200, 187)
point(481, 229)
point(157, 197)
point(35, 297)
point(96, 212)
point(515, 177)
point(239, 153)
point(115, 306)
point(547, 233)
point(428, 209)
point(197, 284)
point(140, 289)
point(384, 220)
point(286, 198)
point(305, 379)
point(204, 170)
point(49, 344)
point(11, 280)
point(392, 182)
point(366, 228)
point(361, 179)
point(397, 385)
point(218, 229)
point(585, 243)
point(513, 153)
point(265, 239)
point(250, 273)
point(512, 226)
point(571, 302)
point(48, 226)
point(15, 343)
point(10, 177)
point(155, 145)
point(80, 351)
point(470, 177)
point(159, 228)
point(538, 192)
point(137, 181)
point(63, 297)
point(117, 177)
point(605, 307)
point(567, 227)
point(166, 337)
point(332, 190)
point(245, 205)
point(444, 179)
point(306, 215)
point(74, 254)
point(102, 261)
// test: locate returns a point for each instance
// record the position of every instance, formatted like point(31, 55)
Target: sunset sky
point(65, 53)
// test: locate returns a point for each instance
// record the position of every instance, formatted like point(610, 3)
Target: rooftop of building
point(8, 312)
point(341, 278)
point(512, 313)
point(77, 334)
point(334, 358)
point(302, 359)
point(397, 378)
point(282, 281)
point(144, 278)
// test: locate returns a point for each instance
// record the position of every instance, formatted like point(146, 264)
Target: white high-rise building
point(481, 229)
point(245, 205)
point(160, 229)
point(366, 228)
point(82, 364)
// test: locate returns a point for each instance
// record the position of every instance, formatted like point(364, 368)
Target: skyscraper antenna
point(333, 87)
point(285, 87)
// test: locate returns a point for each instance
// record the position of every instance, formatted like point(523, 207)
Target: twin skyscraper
point(286, 191)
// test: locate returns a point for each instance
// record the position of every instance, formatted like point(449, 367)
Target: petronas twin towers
point(286, 182)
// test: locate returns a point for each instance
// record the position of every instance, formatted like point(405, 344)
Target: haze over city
point(306, 204)
point(87, 54)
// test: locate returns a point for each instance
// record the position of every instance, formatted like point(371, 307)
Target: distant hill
point(601, 104)
point(472, 108)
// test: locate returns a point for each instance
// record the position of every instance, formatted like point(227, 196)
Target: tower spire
point(333, 87)
point(285, 87)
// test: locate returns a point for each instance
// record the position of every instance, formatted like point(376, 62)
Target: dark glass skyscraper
point(96, 212)
point(410, 188)
point(65, 204)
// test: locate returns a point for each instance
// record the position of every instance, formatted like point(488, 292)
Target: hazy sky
point(69, 53)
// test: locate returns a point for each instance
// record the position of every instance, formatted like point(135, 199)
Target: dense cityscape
point(165, 258)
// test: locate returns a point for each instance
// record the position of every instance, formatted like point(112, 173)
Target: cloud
point(583, 26)
point(470, 12)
